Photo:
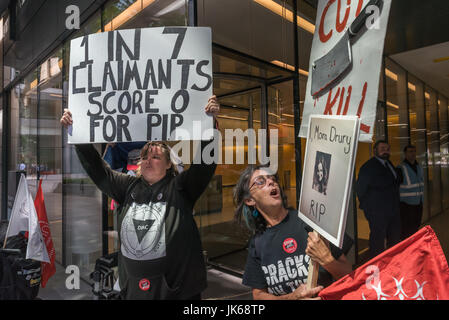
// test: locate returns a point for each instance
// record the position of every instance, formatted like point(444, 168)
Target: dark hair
point(379, 142)
point(255, 222)
point(316, 183)
point(166, 150)
point(409, 146)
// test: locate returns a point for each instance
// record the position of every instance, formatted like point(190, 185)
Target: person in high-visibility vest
point(411, 193)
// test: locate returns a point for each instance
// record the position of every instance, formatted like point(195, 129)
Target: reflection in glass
point(418, 133)
point(82, 201)
point(250, 28)
point(433, 150)
point(23, 134)
point(397, 114)
point(444, 148)
point(50, 142)
point(281, 118)
point(129, 14)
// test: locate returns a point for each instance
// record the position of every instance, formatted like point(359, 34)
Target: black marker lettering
point(85, 44)
point(136, 102)
point(185, 101)
point(201, 73)
point(176, 120)
point(122, 127)
point(90, 88)
point(93, 124)
point(185, 71)
point(121, 45)
point(149, 101)
point(108, 74)
point(76, 90)
point(105, 102)
point(106, 137)
point(179, 40)
point(149, 72)
point(94, 102)
point(132, 74)
point(153, 120)
point(164, 77)
point(122, 97)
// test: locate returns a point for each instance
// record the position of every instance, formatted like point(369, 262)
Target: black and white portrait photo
point(321, 171)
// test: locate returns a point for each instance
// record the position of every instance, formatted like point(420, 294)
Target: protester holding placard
point(281, 249)
point(160, 243)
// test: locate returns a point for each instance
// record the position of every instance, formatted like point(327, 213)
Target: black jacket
point(161, 255)
point(378, 189)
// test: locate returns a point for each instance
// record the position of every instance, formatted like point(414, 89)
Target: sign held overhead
point(140, 85)
point(345, 61)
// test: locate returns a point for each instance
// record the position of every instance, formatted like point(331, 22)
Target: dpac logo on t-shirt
point(289, 245)
point(143, 231)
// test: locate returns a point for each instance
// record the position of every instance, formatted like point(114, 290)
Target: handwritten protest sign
point(345, 61)
point(140, 85)
point(328, 170)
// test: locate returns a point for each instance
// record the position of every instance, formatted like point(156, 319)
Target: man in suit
point(378, 192)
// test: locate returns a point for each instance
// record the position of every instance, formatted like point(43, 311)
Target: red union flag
point(48, 269)
point(415, 269)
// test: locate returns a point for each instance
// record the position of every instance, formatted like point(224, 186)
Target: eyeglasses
point(261, 181)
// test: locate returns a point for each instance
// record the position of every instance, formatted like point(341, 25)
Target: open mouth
point(274, 192)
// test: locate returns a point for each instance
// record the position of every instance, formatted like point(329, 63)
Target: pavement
point(221, 286)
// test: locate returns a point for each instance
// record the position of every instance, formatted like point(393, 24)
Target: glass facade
point(254, 79)
point(418, 135)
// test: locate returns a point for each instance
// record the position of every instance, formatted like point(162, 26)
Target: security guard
point(411, 193)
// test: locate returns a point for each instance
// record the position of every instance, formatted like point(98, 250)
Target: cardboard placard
point(140, 85)
point(327, 176)
point(354, 91)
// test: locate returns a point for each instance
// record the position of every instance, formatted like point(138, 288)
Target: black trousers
point(385, 231)
point(411, 216)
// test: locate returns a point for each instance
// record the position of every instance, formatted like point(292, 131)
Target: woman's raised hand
point(213, 107)
point(66, 119)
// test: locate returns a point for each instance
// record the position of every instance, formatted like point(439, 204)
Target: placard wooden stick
point(314, 267)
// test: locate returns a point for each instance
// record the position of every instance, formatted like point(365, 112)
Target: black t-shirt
point(160, 253)
point(277, 260)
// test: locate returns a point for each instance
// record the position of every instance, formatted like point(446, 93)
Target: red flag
point(414, 269)
point(48, 269)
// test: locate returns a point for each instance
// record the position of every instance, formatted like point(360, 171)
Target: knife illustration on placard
point(327, 69)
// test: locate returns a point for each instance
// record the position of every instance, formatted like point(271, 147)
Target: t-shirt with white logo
point(277, 260)
point(160, 254)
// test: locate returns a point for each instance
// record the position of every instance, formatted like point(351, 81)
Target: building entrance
point(254, 95)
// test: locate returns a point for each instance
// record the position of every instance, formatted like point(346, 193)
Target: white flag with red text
point(24, 218)
point(48, 269)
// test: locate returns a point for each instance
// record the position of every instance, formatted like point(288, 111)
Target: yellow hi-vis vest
point(412, 186)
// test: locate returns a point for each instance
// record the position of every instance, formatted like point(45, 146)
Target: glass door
point(243, 87)
point(225, 241)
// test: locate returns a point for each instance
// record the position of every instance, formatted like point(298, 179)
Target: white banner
point(141, 85)
point(24, 218)
point(327, 177)
point(354, 91)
